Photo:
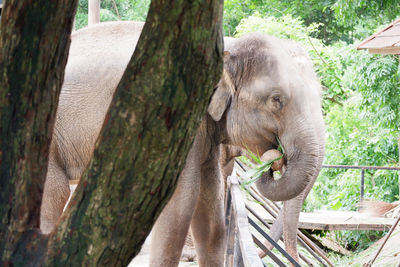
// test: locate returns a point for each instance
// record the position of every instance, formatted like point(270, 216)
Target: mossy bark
point(34, 41)
point(143, 145)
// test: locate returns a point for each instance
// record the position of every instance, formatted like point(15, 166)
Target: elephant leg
point(55, 195)
point(208, 224)
point(275, 233)
point(291, 214)
point(170, 230)
point(189, 251)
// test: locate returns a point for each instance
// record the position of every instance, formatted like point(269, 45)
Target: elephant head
point(269, 90)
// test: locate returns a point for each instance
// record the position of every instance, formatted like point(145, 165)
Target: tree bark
point(140, 152)
point(94, 12)
point(34, 41)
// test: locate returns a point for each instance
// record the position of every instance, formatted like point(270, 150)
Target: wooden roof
point(385, 41)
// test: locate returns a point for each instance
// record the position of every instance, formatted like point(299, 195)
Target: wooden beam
point(361, 45)
point(334, 220)
point(385, 50)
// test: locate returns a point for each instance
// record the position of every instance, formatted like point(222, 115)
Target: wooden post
point(398, 148)
point(362, 185)
point(94, 12)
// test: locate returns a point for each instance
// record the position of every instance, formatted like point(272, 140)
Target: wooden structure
point(335, 220)
point(245, 228)
point(385, 41)
point(247, 220)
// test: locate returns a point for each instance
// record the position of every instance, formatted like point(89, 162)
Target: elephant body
point(268, 89)
point(91, 77)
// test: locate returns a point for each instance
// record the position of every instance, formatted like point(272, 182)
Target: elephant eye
point(276, 99)
point(275, 103)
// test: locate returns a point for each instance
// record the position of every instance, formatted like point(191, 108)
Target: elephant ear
point(222, 96)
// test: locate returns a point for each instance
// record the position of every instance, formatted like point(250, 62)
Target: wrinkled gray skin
point(268, 89)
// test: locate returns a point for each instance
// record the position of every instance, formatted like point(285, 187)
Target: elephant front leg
point(275, 233)
point(208, 223)
point(291, 214)
point(170, 230)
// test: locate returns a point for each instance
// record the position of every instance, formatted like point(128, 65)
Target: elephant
point(268, 90)
point(91, 77)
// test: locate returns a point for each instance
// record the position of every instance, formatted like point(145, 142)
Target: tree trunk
point(35, 38)
point(140, 152)
point(94, 12)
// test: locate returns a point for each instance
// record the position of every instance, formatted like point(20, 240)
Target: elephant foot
point(189, 254)
point(189, 251)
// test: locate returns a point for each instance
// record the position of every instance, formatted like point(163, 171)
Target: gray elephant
point(268, 89)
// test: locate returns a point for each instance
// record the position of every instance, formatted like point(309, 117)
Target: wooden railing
point(362, 168)
point(241, 230)
point(241, 242)
point(241, 250)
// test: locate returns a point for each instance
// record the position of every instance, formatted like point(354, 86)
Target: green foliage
point(363, 17)
point(352, 139)
point(337, 20)
point(357, 240)
point(112, 10)
point(310, 12)
point(377, 78)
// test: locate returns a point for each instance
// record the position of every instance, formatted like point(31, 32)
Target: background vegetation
point(360, 96)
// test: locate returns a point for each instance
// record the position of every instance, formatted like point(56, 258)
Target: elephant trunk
point(302, 165)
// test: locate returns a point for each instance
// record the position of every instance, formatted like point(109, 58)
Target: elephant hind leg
point(55, 195)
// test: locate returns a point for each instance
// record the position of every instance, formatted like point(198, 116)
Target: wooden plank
point(382, 42)
point(334, 220)
point(247, 247)
point(365, 41)
point(338, 220)
point(393, 31)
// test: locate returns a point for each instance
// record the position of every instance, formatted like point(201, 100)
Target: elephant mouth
point(297, 170)
point(275, 173)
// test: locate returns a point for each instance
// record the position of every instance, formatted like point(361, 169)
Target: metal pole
point(362, 185)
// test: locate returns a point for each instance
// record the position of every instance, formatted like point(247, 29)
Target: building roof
point(385, 41)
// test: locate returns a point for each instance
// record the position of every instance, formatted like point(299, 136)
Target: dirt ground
point(142, 259)
point(388, 257)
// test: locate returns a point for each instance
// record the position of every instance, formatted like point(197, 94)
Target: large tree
point(166, 86)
